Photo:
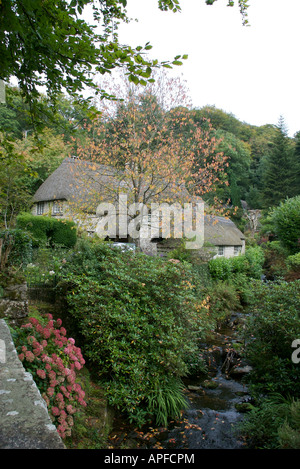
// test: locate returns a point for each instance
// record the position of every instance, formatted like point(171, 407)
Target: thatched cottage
point(75, 189)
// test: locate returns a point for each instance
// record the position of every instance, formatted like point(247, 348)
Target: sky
point(251, 71)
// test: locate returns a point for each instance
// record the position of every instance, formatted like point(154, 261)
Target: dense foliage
point(274, 424)
point(140, 317)
point(285, 222)
point(273, 326)
point(271, 330)
point(15, 249)
point(249, 264)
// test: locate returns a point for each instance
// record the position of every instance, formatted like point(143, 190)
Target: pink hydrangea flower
point(55, 411)
point(46, 333)
point(41, 374)
point(33, 321)
point(29, 356)
point(70, 409)
point(50, 392)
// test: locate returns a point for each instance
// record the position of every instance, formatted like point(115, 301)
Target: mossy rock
point(244, 407)
point(210, 384)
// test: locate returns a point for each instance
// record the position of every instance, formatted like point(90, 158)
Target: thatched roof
point(221, 231)
point(82, 183)
point(86, 184)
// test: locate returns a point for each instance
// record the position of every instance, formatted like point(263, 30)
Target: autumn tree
point(151, 161)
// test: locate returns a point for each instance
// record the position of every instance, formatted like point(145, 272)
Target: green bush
point(16, 248)
point(243, 287)
point(267, 426)
point(275, 259)
point(255, 257)
point(137, 316)
point(239, 264)
point(289, 432)
point(250, 264)
point(223, 299)
point(293, 262)
point(271, 328)
point(48, 230)
point(286, 222)
point(220, 268)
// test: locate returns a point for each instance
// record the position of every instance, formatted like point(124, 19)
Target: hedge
point(47, 229)
point(250, 264)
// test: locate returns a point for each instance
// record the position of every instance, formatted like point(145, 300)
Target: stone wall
point(13, 304)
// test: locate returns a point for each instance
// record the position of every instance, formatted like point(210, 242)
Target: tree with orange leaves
point(158, 156)
point(151, 155)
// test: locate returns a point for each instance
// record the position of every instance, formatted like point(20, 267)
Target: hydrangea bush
point(53, 360)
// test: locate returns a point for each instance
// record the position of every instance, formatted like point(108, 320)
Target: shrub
point(239, 264)
point(271, 328)
point(293, 262)
point(16, 248)
point(286, 222)
point(289, 432)
point(275, 259)
point(48, 230)
point(250, 264)
point(243, 287)
point(137, 315)
point(223, 300)
point(265, 427)
point(220, 268)
point(255, 257)
point(53, 361)
point(64, 233)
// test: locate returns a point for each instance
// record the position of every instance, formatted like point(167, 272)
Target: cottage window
point(57, 208)
point(221, 251)
point(40, 208)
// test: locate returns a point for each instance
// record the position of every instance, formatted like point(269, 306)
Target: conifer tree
point(296, 186)
point(279, 177)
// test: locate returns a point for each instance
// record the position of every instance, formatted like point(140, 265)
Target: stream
point(211, 418)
